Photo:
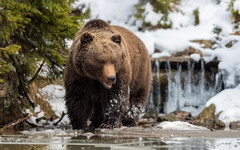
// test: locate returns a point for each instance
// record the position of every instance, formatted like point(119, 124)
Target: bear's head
point(99, 56)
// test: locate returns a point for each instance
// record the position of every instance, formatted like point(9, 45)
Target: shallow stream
point(121, 139)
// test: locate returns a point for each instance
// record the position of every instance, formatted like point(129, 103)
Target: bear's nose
point(112, 79)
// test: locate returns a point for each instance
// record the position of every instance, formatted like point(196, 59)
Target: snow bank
point(229, 61)
point(150, 15)
point(163, 54)
point(195, 57)
point(227, 101)
point(118, 12)
point(179, 125)
point(55, 96)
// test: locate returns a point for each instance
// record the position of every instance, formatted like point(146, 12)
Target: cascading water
point(183, 86)
point(155, 89)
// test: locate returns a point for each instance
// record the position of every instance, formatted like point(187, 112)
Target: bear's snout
point(112, 79)
point(108, 76)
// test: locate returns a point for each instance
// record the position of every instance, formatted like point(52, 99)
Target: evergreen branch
point(36, 74)
point(26, 40)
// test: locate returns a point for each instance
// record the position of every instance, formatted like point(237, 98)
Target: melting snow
point(55, 95)
point(227, 101)
point(179, 125)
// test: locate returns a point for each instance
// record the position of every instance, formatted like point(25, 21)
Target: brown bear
point(107, 77)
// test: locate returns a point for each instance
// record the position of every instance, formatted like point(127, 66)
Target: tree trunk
point(11, 103)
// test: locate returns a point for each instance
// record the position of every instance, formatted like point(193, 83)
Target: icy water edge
point(124, 138)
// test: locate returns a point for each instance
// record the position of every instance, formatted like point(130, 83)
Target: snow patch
point(150, 15)
point(227, 101)
point(163, 54)
point(116, 11)
point(195, 57)
point(55, 95)
point(179, 125)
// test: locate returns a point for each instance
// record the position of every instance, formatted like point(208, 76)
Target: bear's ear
point(86, 38)
point(116, 39)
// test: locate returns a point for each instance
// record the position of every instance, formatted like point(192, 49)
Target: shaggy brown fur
point(107, 77)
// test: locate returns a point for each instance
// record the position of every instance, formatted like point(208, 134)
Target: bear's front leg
point(79, 107)
point(115, 107)
point(137, 106)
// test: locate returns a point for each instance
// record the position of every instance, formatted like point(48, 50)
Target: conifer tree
point(33, 33)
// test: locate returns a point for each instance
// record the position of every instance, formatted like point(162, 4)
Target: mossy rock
point(11, 103)
point(208, 118)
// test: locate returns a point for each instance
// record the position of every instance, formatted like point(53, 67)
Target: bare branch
point(36, 74)
point(14, 123)
point(56, 123)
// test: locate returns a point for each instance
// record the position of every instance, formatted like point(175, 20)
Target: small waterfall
point(202, 82)
point(177, 78)
point(183, 86)
point(158, 86)
point(188, 79)
point(174, 89)
point(150, 104)
point(169, 105)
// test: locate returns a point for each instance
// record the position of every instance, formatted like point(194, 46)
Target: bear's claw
point(110, 125)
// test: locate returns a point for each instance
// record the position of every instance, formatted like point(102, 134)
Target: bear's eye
point(116, 39)
point(101, 61)
point(84, 49)
point(113, 61)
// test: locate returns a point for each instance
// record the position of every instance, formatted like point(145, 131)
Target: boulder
point(209, 119)
point(177, 115)
point(206, 43)
point(151, 114)
point(235, 125)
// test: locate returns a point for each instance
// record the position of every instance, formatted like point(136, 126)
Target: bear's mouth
point(107, 85)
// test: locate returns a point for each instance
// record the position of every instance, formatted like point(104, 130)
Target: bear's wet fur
point(107, 77)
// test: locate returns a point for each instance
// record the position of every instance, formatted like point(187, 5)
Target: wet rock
point(177, 115)
point(172, 59)
point(235, 125)
point(166, 118)
point(147, 123)
point(152, 114)
point(188, 52)
point(181, 115)
point(206, 43)
point(214, 123)
point(237, 33)
point(209, 119)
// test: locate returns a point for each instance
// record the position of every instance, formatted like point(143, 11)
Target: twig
point(32, 124)
point(56, 123)
point(36, 74)
point(14, 123)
